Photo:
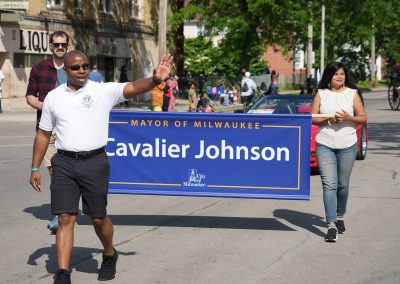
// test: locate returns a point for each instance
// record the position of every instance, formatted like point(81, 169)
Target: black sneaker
point(62, 277)
point(108, 267)
point(331, 236)
point(340, 226)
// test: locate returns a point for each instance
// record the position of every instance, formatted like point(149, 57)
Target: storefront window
point(23, 60)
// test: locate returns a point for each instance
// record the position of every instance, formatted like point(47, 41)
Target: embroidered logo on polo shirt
point(87, 101)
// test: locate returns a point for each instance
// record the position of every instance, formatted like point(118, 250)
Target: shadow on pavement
point(304, 220)
point(244, 223)
point(81, 258)
point(42, 212)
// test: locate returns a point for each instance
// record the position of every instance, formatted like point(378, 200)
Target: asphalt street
point(212, 240)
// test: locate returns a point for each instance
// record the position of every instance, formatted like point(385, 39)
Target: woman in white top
point(341, 101)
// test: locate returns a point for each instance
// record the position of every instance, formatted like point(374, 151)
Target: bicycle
point(249, 103)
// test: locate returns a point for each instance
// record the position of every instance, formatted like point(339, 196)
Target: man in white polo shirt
point(80, 111)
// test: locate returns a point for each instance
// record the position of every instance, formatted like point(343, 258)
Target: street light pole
point(309, 44)
point(309, 50)
point(373, 59)
point(322, 39)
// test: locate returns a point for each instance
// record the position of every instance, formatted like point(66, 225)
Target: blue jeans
point(335, 167)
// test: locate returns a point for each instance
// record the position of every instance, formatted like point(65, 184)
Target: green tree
point(199, 56)
point(349, 29)
point(381, 18)
point(246, 27)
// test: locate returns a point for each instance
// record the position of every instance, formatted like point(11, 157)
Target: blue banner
point(204, 154)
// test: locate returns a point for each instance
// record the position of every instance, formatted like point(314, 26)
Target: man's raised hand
point(161, 72)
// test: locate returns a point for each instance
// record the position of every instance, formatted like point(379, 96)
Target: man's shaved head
point(72, 55)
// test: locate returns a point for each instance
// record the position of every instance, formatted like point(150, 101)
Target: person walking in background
point(310, 85)
point(172, 83)
point(201, 80)
point(192, 97)
point(95, 75)
point(336, 140)
point(221, 93)
point(44, 77)
point(166, 98)
point(1, 88)
point(157, 95)
point(123, 77)
point(249, 89)
point(80, 110)
point(209, 92)
point(214, 92)
point(273, 88)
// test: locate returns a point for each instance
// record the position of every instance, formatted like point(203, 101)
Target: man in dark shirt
point(45, 76)
point(310, 82)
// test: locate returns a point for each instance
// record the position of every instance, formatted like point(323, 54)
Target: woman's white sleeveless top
point(338, 135)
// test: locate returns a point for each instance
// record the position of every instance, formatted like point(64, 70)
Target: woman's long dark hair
point(330, 71)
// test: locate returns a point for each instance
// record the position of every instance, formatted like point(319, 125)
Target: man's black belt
point(82, 155)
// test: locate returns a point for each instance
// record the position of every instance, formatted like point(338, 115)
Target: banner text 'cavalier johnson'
point(222, 155)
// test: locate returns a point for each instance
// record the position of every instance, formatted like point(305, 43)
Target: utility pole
point(309, 44)
point(373, 60)
point(309, 50)
point(162, 26)
point(322, 39)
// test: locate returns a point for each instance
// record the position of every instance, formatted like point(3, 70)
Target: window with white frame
point(137, 9)
point(55, 3)
point(106, 6)
point(299, 59)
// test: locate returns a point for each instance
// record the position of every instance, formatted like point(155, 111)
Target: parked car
point(301, 104)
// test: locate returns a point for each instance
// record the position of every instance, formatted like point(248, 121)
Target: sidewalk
point(18, 116)
point(181, 105)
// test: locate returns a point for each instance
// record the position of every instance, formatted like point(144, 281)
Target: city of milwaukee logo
point(195, 179)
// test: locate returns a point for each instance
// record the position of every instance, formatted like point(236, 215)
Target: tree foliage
point(350, 26)
point(246, 27)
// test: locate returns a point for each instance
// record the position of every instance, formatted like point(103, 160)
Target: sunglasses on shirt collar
point(84, 66)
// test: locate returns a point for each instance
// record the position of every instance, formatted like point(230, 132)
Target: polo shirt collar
point(82, 89)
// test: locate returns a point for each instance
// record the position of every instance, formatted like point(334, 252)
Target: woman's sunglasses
point(85, 66)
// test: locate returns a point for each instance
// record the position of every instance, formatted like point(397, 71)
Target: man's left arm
point(141, 86)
